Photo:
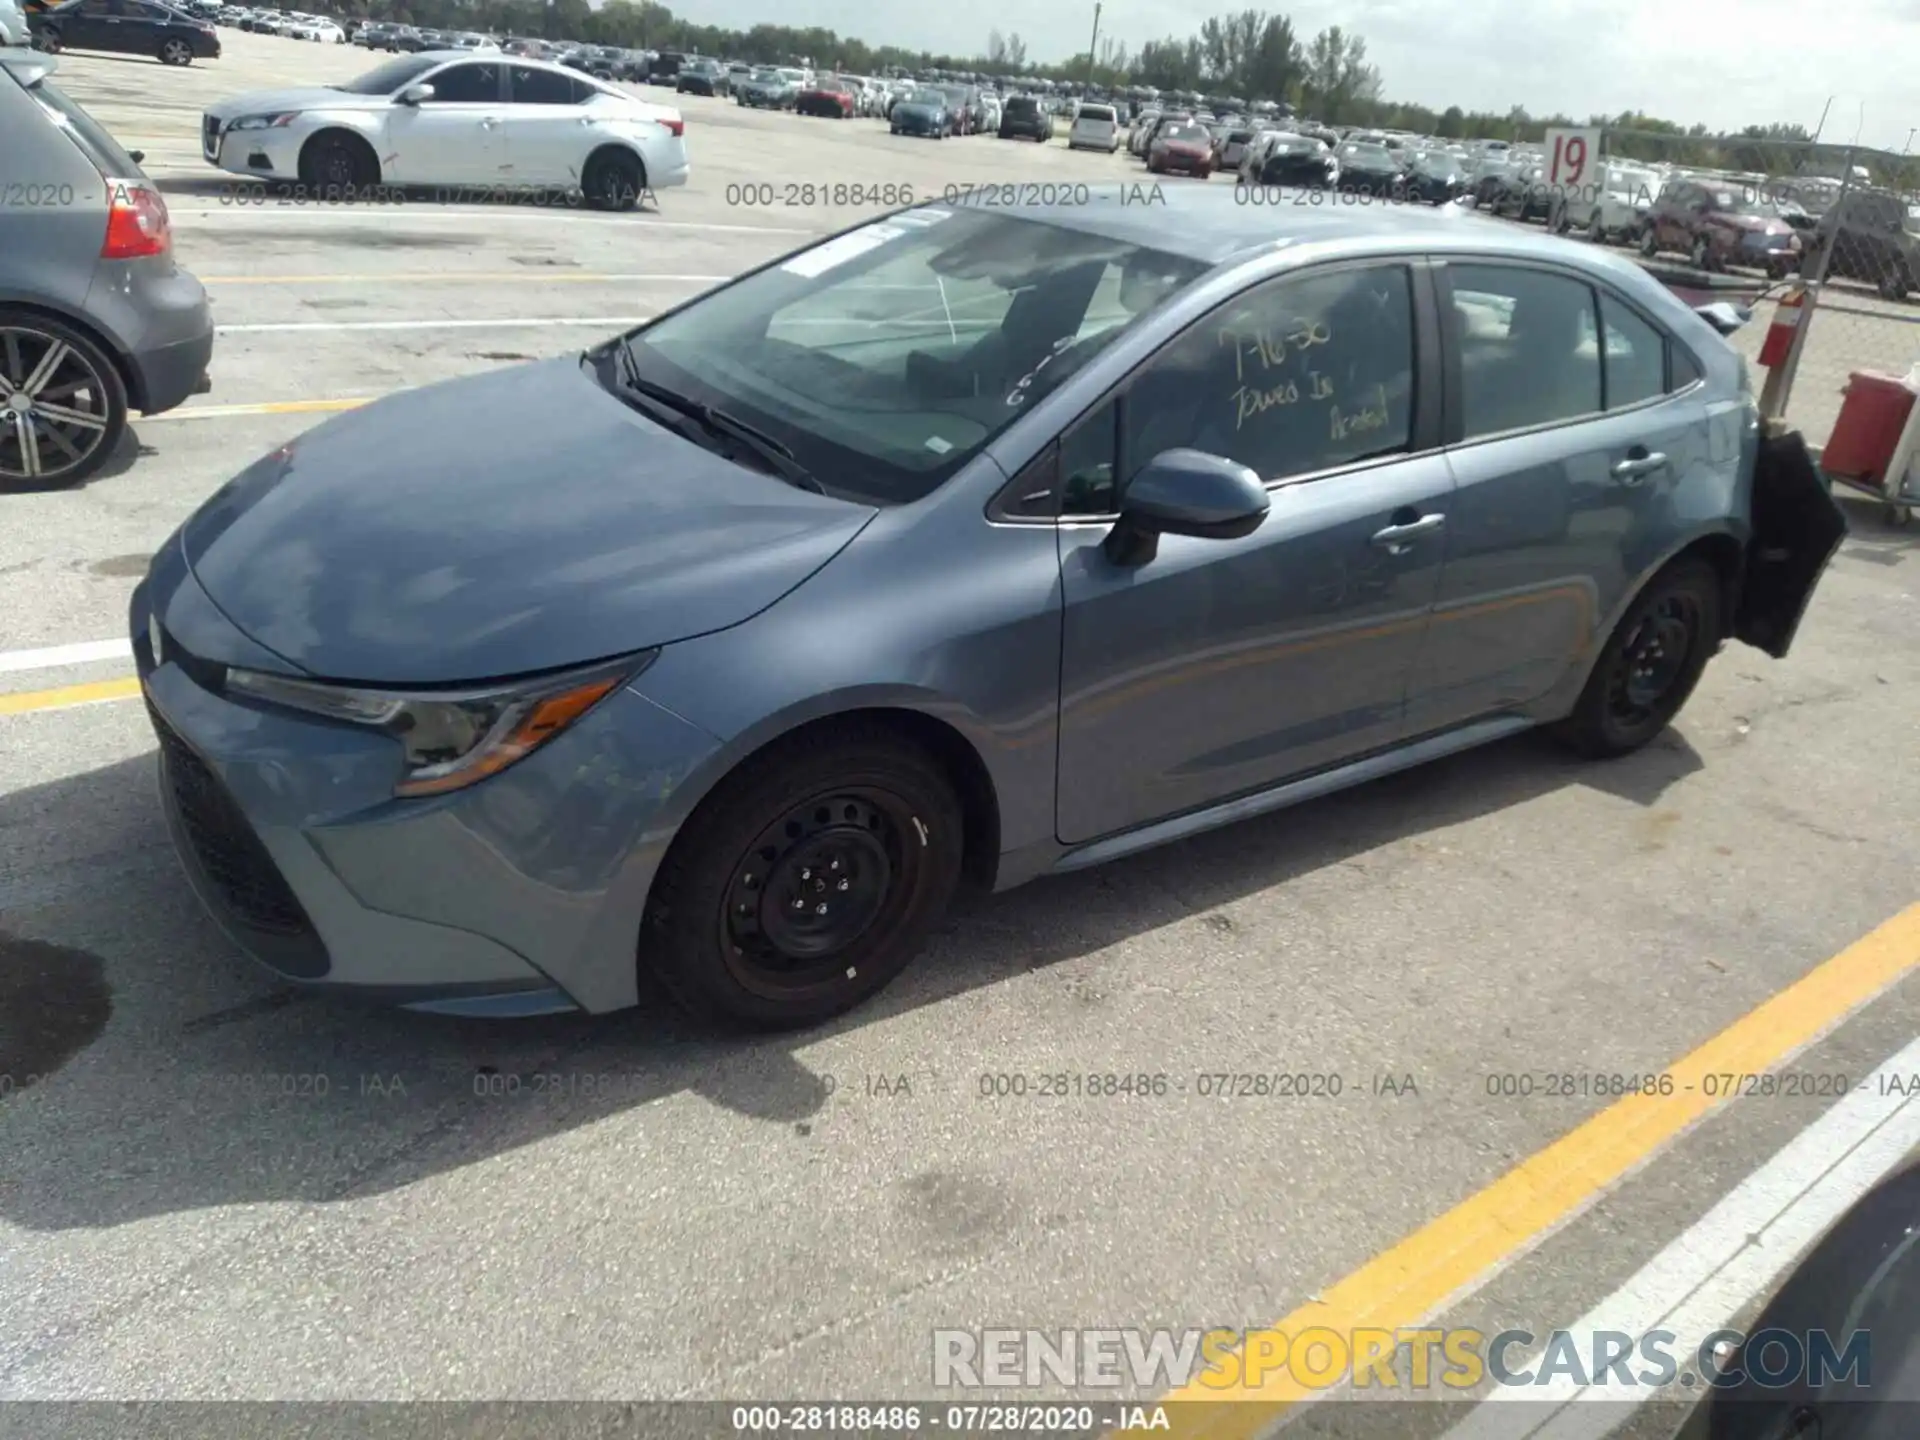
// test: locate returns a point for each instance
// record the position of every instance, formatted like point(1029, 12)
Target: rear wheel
point(807, 882)
point(63, 405)
point(1649, 242)
point(176, 52)
point(1650, 664)
point(1701, 255)
point(613, 180)
point(1596, 232)
point(1895, 284)
point(48, 41)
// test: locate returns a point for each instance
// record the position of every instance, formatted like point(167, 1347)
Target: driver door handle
point(490, 122)
point(1638, 465)
point(1398, 539)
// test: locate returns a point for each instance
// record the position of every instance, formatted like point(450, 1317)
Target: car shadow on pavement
point(182, 1077)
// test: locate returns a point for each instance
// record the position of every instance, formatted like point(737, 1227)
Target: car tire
point(1894, 285)
point(176, 52)
point(336, 162)
point(48, 42)
point(613, 180)
point(1700, 255)
point(1596, 232)
point(1559, 221)
point(1649, 241)
point(88, 370)
point(1650, 663)
point(867, 807)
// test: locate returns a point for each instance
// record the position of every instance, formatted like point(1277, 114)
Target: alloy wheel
point(1653, 659)
point(55, 409)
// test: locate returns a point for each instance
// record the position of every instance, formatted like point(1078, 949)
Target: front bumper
point(521, 895)
point(263, 154)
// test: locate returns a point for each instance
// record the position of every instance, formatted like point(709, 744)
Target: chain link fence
point(1750, 219)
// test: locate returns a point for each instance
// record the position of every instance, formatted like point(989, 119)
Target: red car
point(829, 95)
point(1720, 224)
point(1181, 150)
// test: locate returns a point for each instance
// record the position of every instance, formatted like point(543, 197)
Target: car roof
point(27, 66)
point(1208, 224)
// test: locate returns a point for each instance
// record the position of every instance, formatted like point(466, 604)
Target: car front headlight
point(453, 739)
point(265, 122)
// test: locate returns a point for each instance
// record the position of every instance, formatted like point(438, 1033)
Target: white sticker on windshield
point(920, 219)
point(839, 251)
point(939, 446)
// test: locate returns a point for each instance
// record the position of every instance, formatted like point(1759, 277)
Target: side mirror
point(139, 157)
point(1185, 492)
point(1723, 316)
point(416, 94)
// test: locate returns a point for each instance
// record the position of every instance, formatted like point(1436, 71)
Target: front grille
point(232, 858)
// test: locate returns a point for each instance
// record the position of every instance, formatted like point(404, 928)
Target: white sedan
point(454, 118)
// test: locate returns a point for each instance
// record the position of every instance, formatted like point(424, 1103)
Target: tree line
point(1248, 54)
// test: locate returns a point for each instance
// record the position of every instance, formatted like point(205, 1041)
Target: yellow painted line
point(265, 407)
point(29, 702)
point(1409, 1284)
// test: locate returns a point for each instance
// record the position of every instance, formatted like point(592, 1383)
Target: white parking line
point(1735, 1253)
point(488, 213)
point(52, 657)
point(606, 322)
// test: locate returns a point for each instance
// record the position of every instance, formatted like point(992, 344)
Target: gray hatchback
point(96, 319)
point(973, 542)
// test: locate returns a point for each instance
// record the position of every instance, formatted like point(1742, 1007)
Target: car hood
point(497, 525)
point(315, 97)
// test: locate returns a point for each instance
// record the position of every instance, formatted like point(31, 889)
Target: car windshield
point(1185, 134)
point(1368, 155)
point(885, 358)
point(1431, 164)
point(386, 79)
point(932, 99)
point(766, 77)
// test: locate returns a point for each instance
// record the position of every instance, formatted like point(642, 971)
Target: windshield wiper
point(769, 451)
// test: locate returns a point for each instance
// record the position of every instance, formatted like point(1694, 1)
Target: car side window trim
point(1428, 437)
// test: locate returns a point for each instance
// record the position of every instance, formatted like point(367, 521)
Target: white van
point(1095, 127)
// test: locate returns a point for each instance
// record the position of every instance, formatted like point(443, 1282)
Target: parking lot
point(216, 1188)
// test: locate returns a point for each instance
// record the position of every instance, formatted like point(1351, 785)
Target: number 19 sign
point(1573, 160)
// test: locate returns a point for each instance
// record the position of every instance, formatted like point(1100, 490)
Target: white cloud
point(1721, 63)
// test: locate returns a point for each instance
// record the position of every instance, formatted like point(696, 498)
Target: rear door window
point(466, 85)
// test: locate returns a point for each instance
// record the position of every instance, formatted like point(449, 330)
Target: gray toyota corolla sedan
point(971, 543)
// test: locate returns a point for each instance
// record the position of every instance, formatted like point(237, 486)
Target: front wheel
point(48, 42)
point(1650, 663)
point(806, 883)
point(1649, 242)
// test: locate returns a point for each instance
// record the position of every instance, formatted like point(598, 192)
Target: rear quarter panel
point(53, 209)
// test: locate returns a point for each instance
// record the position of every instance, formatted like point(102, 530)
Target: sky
point(1711, 62)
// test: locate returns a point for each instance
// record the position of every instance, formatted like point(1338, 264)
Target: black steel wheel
point(63, 405)
point(806, 882)
point(1650, 664)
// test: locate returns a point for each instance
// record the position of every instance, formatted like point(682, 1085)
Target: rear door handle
point(1398, 539)
point(1635, 468)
